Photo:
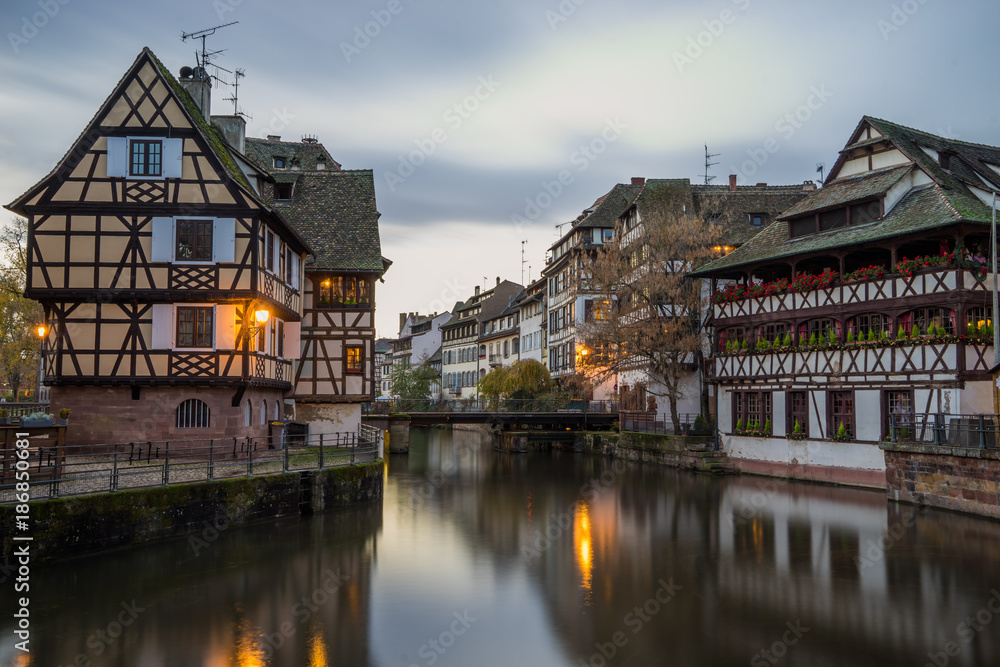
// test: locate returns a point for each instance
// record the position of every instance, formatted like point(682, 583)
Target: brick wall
point(961, 479)
point(103, 415)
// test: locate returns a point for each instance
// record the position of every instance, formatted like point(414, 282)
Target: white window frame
point(163, 245)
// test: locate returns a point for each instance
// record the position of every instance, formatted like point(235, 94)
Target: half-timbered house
point(869, 298)
point(154, 257)
point(334, 210)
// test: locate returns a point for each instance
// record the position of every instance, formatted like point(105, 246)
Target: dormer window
point(944, 159)
point(280, 162)
point(758, 219)
point(835, 218)
point(145, 157)
point(283, 191)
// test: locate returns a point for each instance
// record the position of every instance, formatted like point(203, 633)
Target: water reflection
point(477, 557)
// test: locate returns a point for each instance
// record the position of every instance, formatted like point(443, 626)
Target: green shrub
point(812, 338)
point(788, 339)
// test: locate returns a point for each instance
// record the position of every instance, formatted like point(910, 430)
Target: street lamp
point(41, 330)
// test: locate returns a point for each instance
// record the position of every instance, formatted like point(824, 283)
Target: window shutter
point(277, 255)
point(173, 157)
point(117, 157)
point(295, 271)
point(163, 326)
point(225, 327)
point(162, 248)
point(292, 343)
point(224, 240)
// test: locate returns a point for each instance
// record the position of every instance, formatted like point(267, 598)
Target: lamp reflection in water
point(583, 546)
point(249, 646)
point(317, 648)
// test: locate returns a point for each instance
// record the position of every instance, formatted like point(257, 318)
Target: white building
point(532, 312)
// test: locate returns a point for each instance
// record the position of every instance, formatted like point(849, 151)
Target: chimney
point(638, 180)
point(198, 84)
point(808, 186)
point(732, 182)
point(762, 185)
point(234, 129)
point(402, 321)
point(274, 137)
point(498, 280)
point(477, 290)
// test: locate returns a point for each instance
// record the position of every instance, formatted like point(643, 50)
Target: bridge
point(511, 414)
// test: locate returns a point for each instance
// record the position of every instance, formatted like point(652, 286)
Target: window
point(750, 408)
point(841, 412)
point(352, 359)
point(853, 214)
point(195, 326)
point(609, 234)
point(775, 331)
point(247, 409)
point(897, 411)
point(193, 413)
point(145, 157)
point(819, 327)
point(736, 335)
point(923, 318)
point(281, 340)
point(272, 325)
point(978, 318)
point(874, 322)
point(283, 191)
point(506, 348)
point(341, 291)
point(866, 212)
point(833, 219)
point(279, 162)
point(263, 413)
point(757, 219)
point(797, 409)
point(194, 240)
point(269, 251)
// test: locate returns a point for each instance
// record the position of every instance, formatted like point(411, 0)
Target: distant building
point(383, 361)
point(460, 348)
point(419, 339)
point(531, 304)
point(499, 331)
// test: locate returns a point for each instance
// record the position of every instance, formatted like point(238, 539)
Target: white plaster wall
point(327, 418)
point(976, 398)
point(868, 417)
point(817, 413)
point(778, 409)
point(888, 159)
point(854, 455)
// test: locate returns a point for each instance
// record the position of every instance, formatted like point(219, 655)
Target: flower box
point(37, 423)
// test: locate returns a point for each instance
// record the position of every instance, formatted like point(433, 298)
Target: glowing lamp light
point(261, 316)
point(41, 330)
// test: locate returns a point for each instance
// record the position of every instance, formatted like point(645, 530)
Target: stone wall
point(103, 415)
point(85, 524)
point(954, 478)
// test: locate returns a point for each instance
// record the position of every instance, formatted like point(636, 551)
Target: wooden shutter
point(224, 240)
point(295, 271)
point(117, 157)
point(292, 340)
point(173, 157)
point(225, 326)
point(163, 326)
point(162, 248)
point(277, 256)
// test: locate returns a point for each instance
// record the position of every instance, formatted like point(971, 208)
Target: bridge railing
point(491, 406)
point(53, 470)
point(947, 430)
point(660, 422)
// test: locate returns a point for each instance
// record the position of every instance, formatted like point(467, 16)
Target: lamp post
point(42, 331)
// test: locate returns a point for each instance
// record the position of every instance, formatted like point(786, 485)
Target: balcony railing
point(937, 280)
point(946, 430)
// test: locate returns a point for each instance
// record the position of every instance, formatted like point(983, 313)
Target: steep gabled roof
point(604, 212)
point(503, 296)
point(333, 208)
point(945, 199)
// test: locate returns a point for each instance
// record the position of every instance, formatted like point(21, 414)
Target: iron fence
point(15, 411)
point(55, 472)
point(947, 430)
point(490, 406)
point(660, 422)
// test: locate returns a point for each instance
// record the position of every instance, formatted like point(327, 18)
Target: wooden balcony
point(928, 282)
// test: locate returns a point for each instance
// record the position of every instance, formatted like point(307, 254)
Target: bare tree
point(650, 318)
point(19, 317)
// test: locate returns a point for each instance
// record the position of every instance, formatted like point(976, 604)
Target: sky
point(489, 124)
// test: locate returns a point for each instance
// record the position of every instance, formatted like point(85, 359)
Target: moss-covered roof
point(333, 209)
point(945, 202)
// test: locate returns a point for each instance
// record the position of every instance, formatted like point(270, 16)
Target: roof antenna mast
point(204, 57)
point(708, 163)
point(523, 261)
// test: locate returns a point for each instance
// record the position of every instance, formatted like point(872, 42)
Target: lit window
point(352, 360)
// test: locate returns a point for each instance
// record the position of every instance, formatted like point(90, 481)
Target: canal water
point(480, 558)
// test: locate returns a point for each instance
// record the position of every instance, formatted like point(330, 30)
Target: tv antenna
point(708, 163)
point(523, 260)
point(237, 75)
point(819, 170)
point(205, 56)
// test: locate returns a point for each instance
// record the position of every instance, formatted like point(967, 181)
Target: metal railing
point(659, 422)
point(16, 410)
point(946, 430)
point(488, 406)
point(55, 472)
